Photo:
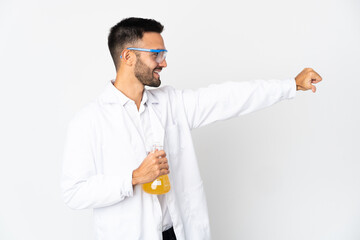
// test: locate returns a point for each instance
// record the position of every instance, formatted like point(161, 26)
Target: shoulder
point(85, 116)
point(162, 90)
point(162, 93)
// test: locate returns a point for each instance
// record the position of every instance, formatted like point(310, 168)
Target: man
point(108, 154)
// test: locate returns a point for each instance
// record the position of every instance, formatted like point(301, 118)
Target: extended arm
point(231, 99)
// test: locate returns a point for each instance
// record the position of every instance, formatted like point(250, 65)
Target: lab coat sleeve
point(81, 185)
point(230, 99)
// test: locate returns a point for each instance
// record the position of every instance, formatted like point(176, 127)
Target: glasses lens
point(161, 57)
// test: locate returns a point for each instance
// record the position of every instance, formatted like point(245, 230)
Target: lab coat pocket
point(196, 209)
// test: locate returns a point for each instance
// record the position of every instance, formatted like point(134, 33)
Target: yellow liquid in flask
point(160, 185)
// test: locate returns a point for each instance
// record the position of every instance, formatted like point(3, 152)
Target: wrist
point(135, 178)
point(296, 84)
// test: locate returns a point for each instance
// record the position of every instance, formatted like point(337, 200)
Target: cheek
point(151, 64)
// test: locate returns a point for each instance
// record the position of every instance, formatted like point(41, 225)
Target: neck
point(130, 86)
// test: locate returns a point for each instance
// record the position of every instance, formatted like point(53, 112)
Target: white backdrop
point(287, 172)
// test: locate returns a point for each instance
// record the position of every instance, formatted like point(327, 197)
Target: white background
point(287, 172)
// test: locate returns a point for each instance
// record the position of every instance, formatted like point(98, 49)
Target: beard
point(146, 75)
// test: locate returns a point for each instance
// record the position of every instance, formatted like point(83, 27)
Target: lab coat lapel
point(156, 125)
point(135, 138)
point(157, 117)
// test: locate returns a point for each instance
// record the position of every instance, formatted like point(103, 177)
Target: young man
point(108, 154)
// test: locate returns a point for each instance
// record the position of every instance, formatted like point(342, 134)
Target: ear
point(127, 57)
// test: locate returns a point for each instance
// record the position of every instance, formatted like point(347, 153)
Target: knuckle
point(162, 153)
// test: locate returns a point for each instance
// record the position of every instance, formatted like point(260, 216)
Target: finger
point(153, 153)
point(164, 166)
point(315, 77)
point(163, 160)
point(164, 172)
point(308, 84)
point(160, 153)
point(160, 161)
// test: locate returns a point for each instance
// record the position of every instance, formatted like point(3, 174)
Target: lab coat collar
point(114, 95)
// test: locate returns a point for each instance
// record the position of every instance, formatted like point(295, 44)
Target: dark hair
point(128, 31)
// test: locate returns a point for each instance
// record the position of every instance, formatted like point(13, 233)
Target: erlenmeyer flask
point(161, 184)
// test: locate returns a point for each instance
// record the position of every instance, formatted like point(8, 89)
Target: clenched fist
point(153, 166)
point(306, 79)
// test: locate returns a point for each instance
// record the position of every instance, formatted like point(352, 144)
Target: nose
point(163, 64)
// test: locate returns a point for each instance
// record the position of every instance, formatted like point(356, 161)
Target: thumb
point(313, 88)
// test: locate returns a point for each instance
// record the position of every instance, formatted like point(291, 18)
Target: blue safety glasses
point(158, 54)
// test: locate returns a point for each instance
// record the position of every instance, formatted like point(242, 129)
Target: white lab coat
point(103, 147)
